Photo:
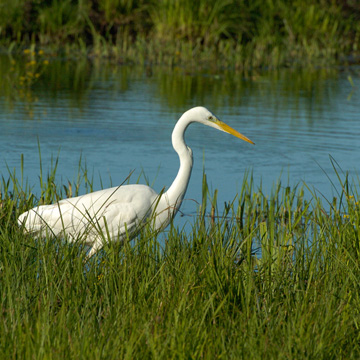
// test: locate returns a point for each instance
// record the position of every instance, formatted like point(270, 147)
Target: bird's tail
point(31, 222)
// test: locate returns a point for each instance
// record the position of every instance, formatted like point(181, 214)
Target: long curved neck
point(176, 192)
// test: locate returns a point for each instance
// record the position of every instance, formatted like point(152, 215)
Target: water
point(120, 118)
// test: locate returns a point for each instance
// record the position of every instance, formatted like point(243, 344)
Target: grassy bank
point(234, 33)
point(268, 277)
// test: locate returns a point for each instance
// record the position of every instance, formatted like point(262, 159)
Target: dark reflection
point(229, 88)
point(76, 78)
point(177, 89)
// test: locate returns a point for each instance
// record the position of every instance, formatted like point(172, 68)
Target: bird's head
point(206, 117)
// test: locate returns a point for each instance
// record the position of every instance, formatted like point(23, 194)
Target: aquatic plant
point(22, 77)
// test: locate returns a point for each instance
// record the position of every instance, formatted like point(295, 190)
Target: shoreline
point(211, 33)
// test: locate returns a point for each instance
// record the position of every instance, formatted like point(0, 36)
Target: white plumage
point(119, 212)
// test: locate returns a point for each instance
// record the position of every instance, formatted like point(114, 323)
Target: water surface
point(120, 118)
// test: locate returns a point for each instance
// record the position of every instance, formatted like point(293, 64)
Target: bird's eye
point(210, 118)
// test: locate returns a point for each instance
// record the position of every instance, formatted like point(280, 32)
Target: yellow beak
point(230, 130)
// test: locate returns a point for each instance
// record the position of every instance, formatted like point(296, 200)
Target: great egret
point(117, 213)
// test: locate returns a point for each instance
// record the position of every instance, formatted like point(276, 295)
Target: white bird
point(118, 213)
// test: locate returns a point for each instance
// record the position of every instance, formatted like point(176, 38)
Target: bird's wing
point(113, 211)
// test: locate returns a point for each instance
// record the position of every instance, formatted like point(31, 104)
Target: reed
point(231, 33)
point(265, 276)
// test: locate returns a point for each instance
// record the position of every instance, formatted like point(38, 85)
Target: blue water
point(122, 118)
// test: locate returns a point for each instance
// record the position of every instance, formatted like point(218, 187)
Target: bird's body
point(118, 213)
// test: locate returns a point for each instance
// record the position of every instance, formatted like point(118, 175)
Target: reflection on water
point(120, 118)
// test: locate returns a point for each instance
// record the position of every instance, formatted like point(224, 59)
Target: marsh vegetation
point(268, 277)
point(235, 33)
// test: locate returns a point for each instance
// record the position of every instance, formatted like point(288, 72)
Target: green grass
point(222, 33)
point(268, 277)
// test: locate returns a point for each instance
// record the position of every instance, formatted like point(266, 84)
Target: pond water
point(120, 118)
